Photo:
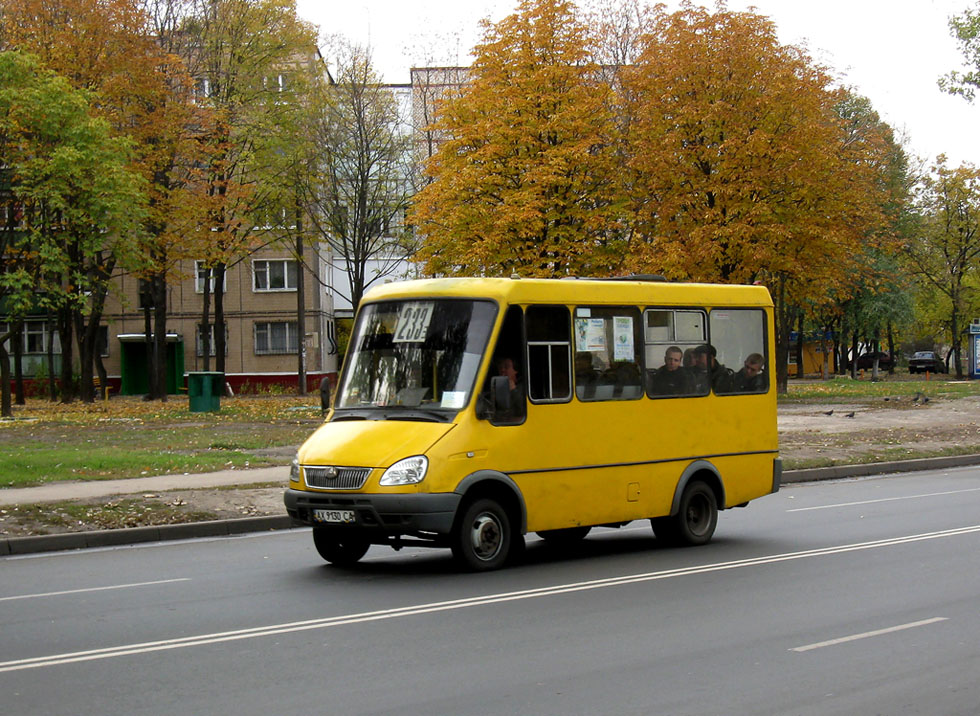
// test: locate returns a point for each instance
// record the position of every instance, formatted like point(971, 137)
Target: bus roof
point(576, 291)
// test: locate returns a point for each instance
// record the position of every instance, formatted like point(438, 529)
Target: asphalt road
point(859, 597)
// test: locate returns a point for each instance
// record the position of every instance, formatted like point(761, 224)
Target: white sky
point(892, 51)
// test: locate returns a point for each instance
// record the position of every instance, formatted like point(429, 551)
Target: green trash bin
point(204, 389)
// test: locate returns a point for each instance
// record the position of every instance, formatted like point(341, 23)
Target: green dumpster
point(204, 389)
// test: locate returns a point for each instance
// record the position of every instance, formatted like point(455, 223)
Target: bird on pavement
point(829, 412)
point(849, 415)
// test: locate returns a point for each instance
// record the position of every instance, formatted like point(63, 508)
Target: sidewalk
point(59, 491)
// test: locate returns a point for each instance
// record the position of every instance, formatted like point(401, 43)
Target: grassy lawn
point(841, 389)
point(128, 437)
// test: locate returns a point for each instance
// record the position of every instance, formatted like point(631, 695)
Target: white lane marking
point(883, 499)
point(94, 589)
point(398, 612)
point(868, 634)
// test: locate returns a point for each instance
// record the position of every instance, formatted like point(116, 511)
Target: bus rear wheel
point(342, 550)
point(695, 521)
point(483, 536)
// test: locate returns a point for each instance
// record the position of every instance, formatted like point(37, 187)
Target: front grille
point(327, 477)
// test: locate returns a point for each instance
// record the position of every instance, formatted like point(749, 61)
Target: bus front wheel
point(482, 539)
point(694, 522)
point(342, 550)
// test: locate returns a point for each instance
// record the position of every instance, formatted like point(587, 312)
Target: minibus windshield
point(414, 359)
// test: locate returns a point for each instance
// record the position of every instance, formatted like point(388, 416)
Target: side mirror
point(499, 394)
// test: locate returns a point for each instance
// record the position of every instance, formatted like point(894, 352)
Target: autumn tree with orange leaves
point(525, 179)
point(744, 170)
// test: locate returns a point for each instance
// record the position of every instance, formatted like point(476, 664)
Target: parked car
point(867, 361)
point(922, 361)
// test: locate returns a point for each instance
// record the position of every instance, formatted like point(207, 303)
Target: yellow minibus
point(473, 411)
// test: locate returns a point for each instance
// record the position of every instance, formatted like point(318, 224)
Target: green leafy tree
point(70, 197)
point(525, 177)
point(248, 56)
point(965, 29)
point(945, 253)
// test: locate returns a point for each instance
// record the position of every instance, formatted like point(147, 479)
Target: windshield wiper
point(436, 416)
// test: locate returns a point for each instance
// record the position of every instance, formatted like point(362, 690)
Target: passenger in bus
point(671, 378)
point(585, 375)
point(709, 373)
point(751, 378)
point(517, 407)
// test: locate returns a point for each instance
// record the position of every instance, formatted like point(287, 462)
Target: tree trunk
point(148, 349)
point(204, 330)
point(18, 343)
point(784, 323)
point(800, 370)
point(86, 385)
point(6, 409)
point(854, 354)
point(300, 310)
point(891, 348)
point(219, 317)
point(158, 289)
point(955, 329)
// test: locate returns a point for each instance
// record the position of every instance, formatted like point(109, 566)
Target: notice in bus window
point(413, 322)
point(590, 334)
point(623, 338)
point(453, 399)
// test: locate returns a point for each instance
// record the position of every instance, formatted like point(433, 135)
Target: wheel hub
point(486, 536)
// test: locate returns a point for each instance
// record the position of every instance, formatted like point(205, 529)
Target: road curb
point(224, 528)
point(137, 535)
point(878, 468)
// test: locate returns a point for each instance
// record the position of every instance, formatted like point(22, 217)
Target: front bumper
point(379, 515)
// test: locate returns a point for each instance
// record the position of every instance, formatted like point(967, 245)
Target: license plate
point(342, 516)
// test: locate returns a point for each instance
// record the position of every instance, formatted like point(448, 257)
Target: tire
point(483, 536)
point(340, 549)
point(564, 537)
point(695, 521)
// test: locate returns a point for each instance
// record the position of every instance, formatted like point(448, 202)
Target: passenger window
point(673, 339)
point(608, 363)
point(549, 354)
point(739, 337)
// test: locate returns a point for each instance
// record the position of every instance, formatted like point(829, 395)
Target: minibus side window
point(671, 337)
point(739, 337)
point(549, 354)
point(507, 359)
point(608, 360)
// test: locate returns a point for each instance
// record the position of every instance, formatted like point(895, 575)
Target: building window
point(199, 340)
point(102, 341)
point(272, 338)
point(35, 337)
point(274, 275)
point(199, 273)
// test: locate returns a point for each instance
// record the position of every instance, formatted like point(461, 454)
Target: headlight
point(294, 471)
point(406, 472)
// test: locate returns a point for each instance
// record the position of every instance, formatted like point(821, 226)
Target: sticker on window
point(453, 399)
point(413, 322)
point(623, 336)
